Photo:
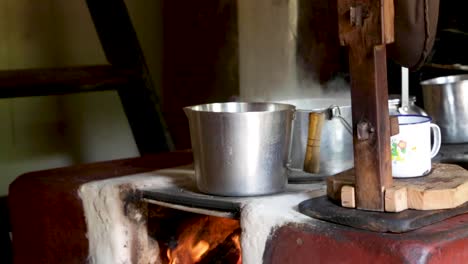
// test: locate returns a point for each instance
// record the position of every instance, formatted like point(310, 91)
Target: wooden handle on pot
point(312, 156)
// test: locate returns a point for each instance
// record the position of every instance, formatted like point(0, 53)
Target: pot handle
point(437, 139)
point(312, 156)
point(335, 111)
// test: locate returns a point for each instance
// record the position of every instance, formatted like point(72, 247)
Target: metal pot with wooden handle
point(333, 153)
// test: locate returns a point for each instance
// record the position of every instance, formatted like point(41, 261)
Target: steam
point(268, 65)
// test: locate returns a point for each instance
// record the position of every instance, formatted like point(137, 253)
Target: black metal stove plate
point(324, 209)
point(176, 195)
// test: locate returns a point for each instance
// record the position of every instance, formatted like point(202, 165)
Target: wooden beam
point(56, 81)
point(362, 29)
point(388, 18)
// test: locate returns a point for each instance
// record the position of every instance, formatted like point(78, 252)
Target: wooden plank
point(367, 56)
point(445, 187)
point(122, 49)
point(55, 81)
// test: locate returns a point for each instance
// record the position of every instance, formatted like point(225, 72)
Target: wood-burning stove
point(51, 222)
point(160, 217)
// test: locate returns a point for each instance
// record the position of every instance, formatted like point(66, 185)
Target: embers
point(186, 238)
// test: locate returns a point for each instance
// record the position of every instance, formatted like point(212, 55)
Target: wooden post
point(365, 26)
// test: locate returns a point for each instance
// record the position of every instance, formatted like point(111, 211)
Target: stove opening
point(186, 238)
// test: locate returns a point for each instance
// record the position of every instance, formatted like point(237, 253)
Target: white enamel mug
point(411, 148)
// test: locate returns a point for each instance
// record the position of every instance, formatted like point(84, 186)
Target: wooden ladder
point(126, 72)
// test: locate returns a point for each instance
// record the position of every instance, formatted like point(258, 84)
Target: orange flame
point(200, 236)
point(195, 253)
point(199, 249)
point(236, 240)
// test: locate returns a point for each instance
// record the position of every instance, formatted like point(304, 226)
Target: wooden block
point(445, 187)
point(396, 199)
point(336, 182)
point(347, 197)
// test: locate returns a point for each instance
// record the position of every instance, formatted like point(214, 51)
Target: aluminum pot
point(240, 149)
point(446, 101)
point(336, 146)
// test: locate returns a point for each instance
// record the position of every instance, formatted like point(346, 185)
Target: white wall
point(45, 132)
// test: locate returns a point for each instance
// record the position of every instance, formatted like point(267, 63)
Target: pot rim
point(426, 119)
point(325, 103)
point(218, 108)
point(443, 80)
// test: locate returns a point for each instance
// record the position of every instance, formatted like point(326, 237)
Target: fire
point(199, 250)
point(195, 253)
point(236, 240)
point(207, 239)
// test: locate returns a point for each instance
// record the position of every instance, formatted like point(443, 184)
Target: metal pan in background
point(446, 101)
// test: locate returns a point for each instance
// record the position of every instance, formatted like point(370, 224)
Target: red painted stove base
point(444, 242)
point(47, 215)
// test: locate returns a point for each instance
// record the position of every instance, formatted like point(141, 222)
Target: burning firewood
point(205, 239)
point(226, 252)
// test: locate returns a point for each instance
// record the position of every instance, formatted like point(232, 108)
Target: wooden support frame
point(126, 72)
point(365, 26)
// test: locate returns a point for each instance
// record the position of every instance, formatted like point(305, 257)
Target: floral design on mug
point(398, 149)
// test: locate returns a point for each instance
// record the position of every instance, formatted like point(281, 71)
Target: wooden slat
point(367, 64)
point(121, 47)
point(55, 81)
point(388, 21)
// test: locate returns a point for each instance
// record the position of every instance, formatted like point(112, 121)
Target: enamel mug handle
point(437, 139)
